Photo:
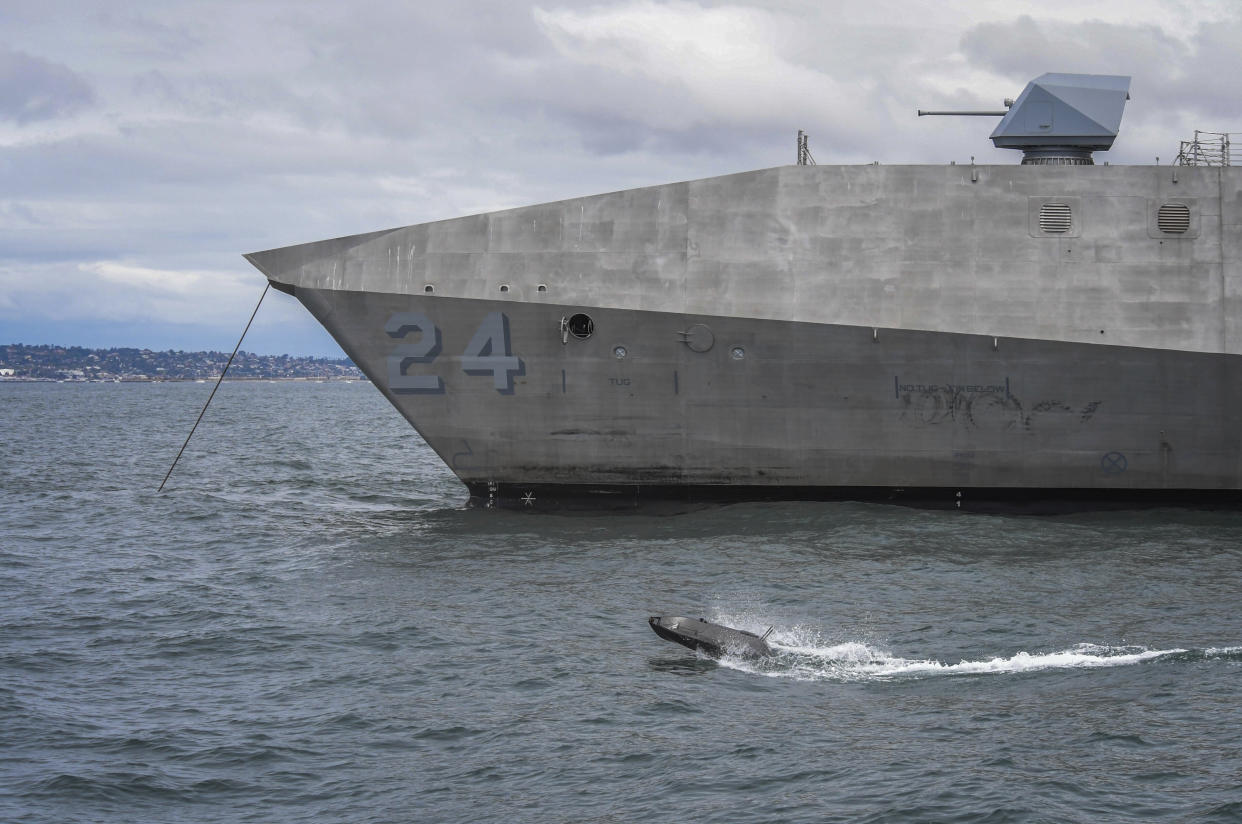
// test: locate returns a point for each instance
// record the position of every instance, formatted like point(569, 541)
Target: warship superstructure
point(958, 335)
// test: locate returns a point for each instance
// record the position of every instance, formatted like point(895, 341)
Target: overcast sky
point(144, 146)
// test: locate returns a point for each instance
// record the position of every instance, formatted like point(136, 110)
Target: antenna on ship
point(804, 149)
point(1060, 119)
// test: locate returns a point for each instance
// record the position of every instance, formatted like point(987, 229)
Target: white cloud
point(170, 282)
point(723, 55)
point(115, 290)
point(694, 65)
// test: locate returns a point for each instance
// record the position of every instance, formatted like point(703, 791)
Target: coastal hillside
point(76, 363)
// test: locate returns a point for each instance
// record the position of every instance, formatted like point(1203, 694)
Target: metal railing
point(1207, 149)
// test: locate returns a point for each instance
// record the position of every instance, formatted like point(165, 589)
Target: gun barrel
point(966, 114)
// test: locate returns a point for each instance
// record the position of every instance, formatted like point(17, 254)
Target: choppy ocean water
point(308, 626)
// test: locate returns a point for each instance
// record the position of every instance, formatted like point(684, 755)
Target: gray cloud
point(1178, 83)
point(1207, 83)
point(1024, 47)
point(32, 88)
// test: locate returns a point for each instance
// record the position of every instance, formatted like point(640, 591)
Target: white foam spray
point(803, 654)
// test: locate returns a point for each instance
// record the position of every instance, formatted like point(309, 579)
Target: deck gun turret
point(1059, 119)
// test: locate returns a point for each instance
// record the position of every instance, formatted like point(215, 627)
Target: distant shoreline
point(230, 379)
point(77, 364)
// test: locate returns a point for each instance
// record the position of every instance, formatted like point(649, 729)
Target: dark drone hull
point(715, 640)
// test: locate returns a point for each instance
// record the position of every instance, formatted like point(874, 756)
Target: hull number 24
point(488, 353)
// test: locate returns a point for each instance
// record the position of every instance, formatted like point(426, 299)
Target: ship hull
point(672, 407)
point(947, 336)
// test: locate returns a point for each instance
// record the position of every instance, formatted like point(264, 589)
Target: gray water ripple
point(309, 625)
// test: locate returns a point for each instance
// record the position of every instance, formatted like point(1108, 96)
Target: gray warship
point(1044, 334)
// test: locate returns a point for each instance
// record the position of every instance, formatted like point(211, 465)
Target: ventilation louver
point(1173, 218)
point(1055, 218)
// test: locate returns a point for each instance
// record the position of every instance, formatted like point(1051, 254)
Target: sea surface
point(308, 625)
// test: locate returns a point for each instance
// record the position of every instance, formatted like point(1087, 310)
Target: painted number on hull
point(489, 352)
point(424, 351)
